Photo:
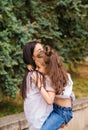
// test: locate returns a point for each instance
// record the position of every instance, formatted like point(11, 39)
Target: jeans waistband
point(61, 107)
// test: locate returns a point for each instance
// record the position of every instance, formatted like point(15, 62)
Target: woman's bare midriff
point(64, 102)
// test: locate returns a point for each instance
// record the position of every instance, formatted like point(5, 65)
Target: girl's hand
point(30, 68)
point(38, 80)
point(34, 78)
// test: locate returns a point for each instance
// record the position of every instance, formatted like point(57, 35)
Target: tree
point(15, 30)
point(63, 24)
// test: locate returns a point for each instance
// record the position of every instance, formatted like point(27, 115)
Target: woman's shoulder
point(30, 73)
point(33, 74)
point(48, 84)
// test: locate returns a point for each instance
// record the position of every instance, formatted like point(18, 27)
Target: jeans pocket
point(67, 116)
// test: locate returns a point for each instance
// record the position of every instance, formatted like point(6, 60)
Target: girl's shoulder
point(69, 79)
point(48, 84)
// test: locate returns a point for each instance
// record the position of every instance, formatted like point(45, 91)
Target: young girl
point(61, 95)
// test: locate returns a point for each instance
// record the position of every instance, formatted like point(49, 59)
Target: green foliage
point(15, 30)
point(63, 24)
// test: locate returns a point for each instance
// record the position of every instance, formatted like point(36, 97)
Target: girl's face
point(40, 67)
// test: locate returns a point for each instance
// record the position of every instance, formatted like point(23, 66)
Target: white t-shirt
point(35, 108)
point(67, 93)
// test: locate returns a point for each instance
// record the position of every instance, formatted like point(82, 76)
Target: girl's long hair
point(54, 69)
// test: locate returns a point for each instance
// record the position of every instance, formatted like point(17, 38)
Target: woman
point(35, 108)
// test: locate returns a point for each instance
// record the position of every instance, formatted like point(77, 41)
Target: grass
point(80, 80)
point(80, 87)
point(11, 106)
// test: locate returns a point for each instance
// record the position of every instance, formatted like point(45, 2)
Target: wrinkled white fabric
point(68, 90)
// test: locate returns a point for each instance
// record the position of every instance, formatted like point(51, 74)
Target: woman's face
point(37, 49)
point(39, 66)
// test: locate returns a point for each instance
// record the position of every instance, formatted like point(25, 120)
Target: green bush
point(63, 24)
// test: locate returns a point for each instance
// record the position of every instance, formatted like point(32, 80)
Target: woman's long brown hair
point(28, 50)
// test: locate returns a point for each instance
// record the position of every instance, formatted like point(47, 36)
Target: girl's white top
point(35, 108)
point(67, 93)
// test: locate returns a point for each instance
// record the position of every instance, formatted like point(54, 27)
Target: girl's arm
point(49, 95)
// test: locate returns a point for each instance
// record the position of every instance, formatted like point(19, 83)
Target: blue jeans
point(57, 117)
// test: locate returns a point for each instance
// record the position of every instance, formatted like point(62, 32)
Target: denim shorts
point(57, 117)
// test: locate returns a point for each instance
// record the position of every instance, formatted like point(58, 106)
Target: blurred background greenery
point(62, 24)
